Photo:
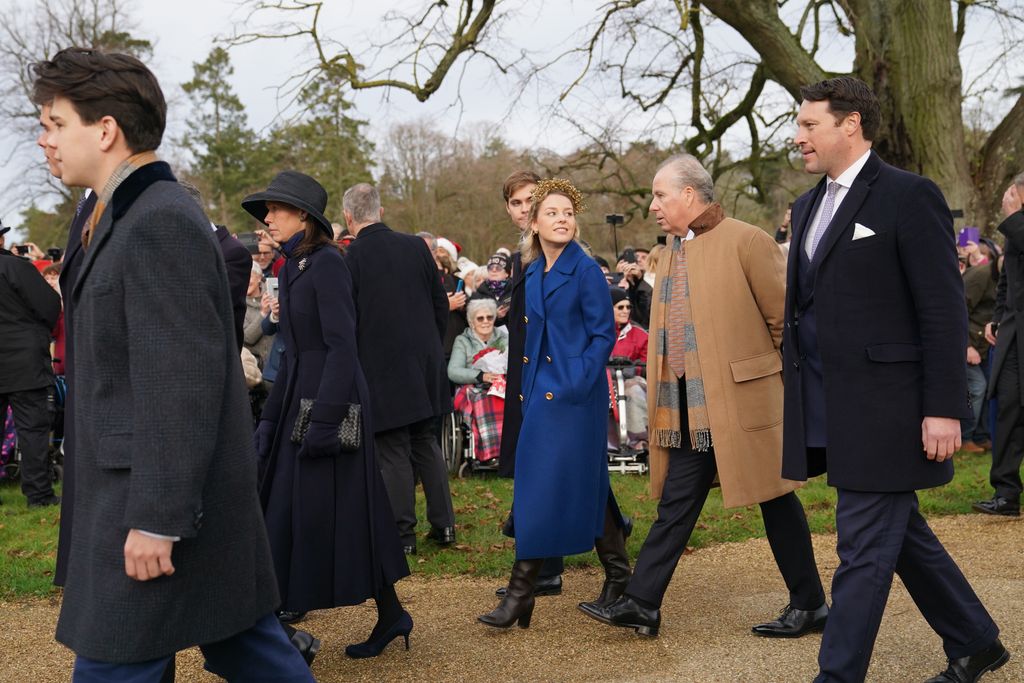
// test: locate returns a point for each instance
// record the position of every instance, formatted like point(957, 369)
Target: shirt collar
point(847, 177)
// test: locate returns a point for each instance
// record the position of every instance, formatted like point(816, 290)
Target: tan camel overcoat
point(737, 277)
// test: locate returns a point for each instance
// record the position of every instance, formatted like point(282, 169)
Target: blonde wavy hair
point(529, 243)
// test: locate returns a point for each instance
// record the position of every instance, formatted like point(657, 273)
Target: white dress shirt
point(845, 182)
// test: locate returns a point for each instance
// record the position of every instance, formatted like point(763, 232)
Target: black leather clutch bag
point(350, 431)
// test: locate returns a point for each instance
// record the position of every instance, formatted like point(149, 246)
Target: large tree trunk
point(907, 52)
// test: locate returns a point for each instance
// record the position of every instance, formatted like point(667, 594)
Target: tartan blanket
point(484, 414)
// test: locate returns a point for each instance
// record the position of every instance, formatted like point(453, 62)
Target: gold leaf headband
point(562, 186)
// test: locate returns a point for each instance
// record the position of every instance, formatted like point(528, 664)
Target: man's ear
point(382, 214)
point(110, 132)
point(852, 122)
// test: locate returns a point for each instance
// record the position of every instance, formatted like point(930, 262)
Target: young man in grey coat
point(168, 548)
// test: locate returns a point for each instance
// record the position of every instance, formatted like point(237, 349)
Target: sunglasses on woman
point(484, 318)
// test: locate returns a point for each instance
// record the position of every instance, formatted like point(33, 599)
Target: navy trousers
point(881, 534)
point(261, 653)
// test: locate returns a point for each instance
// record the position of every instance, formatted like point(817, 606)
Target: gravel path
point(716, 595)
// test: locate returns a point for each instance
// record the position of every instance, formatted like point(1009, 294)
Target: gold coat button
point(520, 397)
point(549, 358)
point(525, 319)
point(549, 396)
point(526, 360)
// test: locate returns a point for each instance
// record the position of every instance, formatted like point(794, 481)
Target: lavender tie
point(826, 216)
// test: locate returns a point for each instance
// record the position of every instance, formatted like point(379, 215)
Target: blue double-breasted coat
point(332, 534)
point(561, 469)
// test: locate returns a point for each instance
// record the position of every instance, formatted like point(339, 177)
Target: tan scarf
point(673, 342)
point(120, 174)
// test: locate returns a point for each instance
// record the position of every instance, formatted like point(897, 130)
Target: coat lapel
point(100, 234)
point(561, 272)
point(124, 196)
point(848, 209)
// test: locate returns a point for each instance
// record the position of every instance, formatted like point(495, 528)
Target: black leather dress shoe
point(286, 617)
point(409, 549)
point(625, 612)
point(998, 506)
point(306, 644)
point(44, 502)
point(442, 536)
point(971, 669)
point(793, 623)
point(548, 585)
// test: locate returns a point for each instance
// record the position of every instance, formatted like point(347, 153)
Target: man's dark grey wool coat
point(163, 436)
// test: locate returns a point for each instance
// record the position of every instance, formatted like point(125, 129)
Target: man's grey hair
point(430, 237)
point(482, 304)
point(363, 202)
point(687, 171)
point(1019, 180)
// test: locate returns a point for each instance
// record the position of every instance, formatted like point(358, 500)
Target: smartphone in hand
point(272, 286)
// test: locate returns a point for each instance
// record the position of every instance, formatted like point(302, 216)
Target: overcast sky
point(184, 30)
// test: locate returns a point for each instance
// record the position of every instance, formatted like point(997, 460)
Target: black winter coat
point(332, 533)
point(401, 317)
point(1009, 311)
point(29, 309)
point(515, 322)
point(73, 256)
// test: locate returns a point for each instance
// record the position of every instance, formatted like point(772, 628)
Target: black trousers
point(32, 419)
point(408, 453)
point(1008, 445)
point(690, 474)
point(881, 534)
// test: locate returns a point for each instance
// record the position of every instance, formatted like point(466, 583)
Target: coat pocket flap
point(894, 353)
point(115, 452)
point(762, 365)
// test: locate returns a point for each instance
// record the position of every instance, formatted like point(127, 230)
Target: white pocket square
point(862, 231)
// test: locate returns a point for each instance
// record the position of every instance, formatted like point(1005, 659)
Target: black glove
point(264, 438)
point(322, 440)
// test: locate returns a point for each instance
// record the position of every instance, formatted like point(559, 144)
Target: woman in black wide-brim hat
point(332, 533)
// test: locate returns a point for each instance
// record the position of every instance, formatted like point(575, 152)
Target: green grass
point(28, 538)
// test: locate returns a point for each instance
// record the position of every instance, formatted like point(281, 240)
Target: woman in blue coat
point(332, 534)
point(562, 503)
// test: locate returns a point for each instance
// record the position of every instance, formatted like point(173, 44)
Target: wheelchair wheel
point(451, 442)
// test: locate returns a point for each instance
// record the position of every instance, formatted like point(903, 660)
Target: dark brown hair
point(313, 238)
point(516, 181)
point(102, 84)
point(846, 95)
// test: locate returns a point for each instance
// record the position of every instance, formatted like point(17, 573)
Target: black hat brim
point(256, 205)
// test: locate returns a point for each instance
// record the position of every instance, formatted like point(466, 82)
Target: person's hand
point(940, 437)
point(973, 357)
point(263, 438)
point(1011, 201)
point(265, 238)
point(266, 301)
point(456, 301)
point(34, 253)
point(146, 557)
point(275, 307)
point(502, 310)
point(491, 377)
point(990, 334)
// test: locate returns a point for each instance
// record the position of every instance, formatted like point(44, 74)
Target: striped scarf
point(120, 174)
point(672, 352)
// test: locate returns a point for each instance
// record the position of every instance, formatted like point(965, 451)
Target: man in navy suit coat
point(875, 330)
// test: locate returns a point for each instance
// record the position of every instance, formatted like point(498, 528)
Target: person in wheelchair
point(630, 345)
point(480, 397)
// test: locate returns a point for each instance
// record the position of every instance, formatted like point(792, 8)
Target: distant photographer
point(29, 309)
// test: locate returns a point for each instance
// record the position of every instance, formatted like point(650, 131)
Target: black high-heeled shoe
point(517, 605)
point(372, 648)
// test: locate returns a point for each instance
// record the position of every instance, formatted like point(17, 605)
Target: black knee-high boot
point(611, 550)
point(517, 605)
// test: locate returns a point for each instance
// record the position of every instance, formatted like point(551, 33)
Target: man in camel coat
point(715, 397)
